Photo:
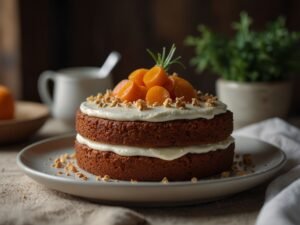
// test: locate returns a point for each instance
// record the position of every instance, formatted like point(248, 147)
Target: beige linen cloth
point(24, 202)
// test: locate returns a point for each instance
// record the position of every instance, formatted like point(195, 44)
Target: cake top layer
point(154, 95)
point(109, 107)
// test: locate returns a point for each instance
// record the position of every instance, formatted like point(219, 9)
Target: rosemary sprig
point(165, 61)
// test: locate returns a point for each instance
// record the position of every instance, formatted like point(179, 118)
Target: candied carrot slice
point(169, 85)
point(157, 94)
point(156, 76)
point(143, 91)
point(137, 76)
point(119, 86)
point(130, 91)
point(183, 88)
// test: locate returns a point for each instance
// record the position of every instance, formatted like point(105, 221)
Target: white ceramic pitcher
point(71, 87)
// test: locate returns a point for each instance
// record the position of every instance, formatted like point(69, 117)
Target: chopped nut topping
point(59, 173)
point(155, 104)
point(140, 104)
point(180, 103)
point(165, 180)
point(98, 178)
point(126, 104)
point(90, 98)
point(133, 181)
point(195, 102)
point(167, 103)
point(109, 100)
point(114, 103)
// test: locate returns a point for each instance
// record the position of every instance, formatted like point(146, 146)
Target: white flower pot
point(253, 102)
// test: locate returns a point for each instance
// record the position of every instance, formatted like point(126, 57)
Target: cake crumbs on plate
point(165, 180)
point(81, 176)
point(72, 156)
point(194, 179)
point(242, 165)
point(247, 160)
point(225, 174)
point(106, 178)
point(133, 181)
point(57, 164)
point(71, 168)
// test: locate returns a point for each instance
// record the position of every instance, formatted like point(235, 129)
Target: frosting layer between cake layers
point(166, 153)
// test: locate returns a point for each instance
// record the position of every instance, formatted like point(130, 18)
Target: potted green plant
point(253, 66)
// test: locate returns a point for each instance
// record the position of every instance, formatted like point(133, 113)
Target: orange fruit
point(7, 106)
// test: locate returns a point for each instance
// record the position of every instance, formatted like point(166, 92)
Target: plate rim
point(122, 183)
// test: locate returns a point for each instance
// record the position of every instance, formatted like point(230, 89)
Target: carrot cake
point(154, 126)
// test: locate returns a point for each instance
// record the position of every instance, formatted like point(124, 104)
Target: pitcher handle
point(43, 89)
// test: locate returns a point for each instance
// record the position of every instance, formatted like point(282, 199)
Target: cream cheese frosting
point(153, 114)
point(168, 153)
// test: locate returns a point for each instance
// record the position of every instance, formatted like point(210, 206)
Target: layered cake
point(154, 126)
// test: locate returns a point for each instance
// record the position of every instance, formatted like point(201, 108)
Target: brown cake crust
point(155, 134)
point(141, 168)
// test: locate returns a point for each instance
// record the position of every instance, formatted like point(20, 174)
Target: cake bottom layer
point(141, 168)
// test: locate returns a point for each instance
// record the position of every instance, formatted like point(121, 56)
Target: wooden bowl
point(29, 117)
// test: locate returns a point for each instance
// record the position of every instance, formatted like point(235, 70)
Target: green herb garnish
point(166, 60)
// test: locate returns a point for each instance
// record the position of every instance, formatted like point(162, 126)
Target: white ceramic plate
point(35, 161)
point(29, 117)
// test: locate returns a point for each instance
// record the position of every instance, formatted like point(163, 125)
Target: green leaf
point(249, 55)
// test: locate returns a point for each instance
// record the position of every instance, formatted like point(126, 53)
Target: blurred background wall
point(10, 46)
point(53, 34)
